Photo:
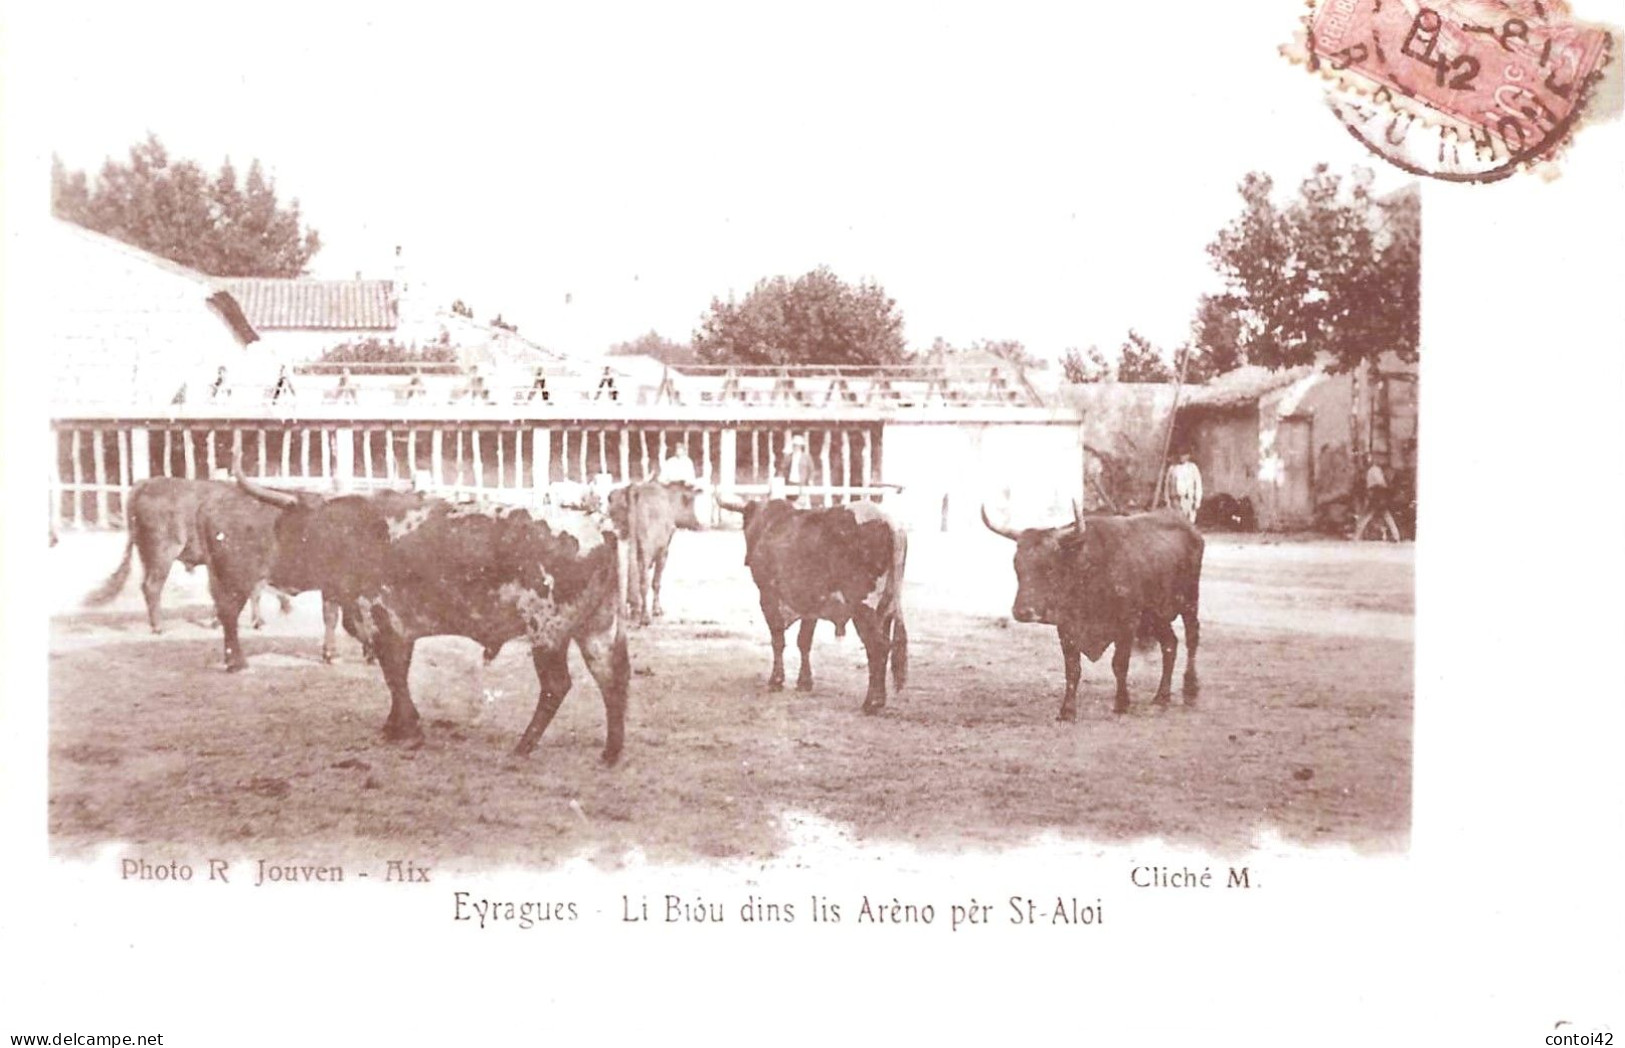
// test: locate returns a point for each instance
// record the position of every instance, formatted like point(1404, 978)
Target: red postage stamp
point(1465, 90)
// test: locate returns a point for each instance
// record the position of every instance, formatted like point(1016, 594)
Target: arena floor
point(1304, 725)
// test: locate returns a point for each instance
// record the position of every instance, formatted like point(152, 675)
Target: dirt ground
point(1303, 726)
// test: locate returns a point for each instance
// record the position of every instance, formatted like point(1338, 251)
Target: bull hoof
point(236, 665)
point(804, 684)
point(610, 756)
point(1068, 714)
point(775, 685)
point(157, 631)
point(660, 612)
point(329, 656)
point(870, 706)
point(1162, 698)
point(411, 734)
point(1120, 707)
point(1192, 688)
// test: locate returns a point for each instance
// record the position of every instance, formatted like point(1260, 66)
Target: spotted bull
point(646, 516)
point(165, 523)
point(1106, 582)
point(406, 567)
point(841, 563)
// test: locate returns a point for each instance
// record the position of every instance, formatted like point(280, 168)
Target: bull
point(165, 519)
point(404, 567)
point(841, 563)
point(646, 516)
point(1107, 582)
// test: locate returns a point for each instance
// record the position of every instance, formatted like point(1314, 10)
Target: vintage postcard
point(937, 520)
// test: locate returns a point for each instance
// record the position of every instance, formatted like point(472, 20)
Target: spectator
point(1376, 505)
point(798, 472)
point(538, 388)
point(679, 468)
point(607, 384)
point(476, 386)
point(284, 385)
point(346, 391)
point(414, 388)
point(217, 389)
point(1185, 487)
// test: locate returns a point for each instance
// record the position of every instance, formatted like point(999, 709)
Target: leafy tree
point(171, 208)
point(654, 344)
point(1334, 271)
point(1081, 370)
point(462, 309)
point(498, 322)
point(438, 356)
point(1140, 361)
point(815, 319)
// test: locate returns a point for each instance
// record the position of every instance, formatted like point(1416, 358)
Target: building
point(122, 325)
point(1291, 440)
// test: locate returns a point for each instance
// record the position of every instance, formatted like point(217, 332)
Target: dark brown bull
point(163, 520)
point(840, 563)
point(406, 567)
point(646, 516)
point(1106, 582)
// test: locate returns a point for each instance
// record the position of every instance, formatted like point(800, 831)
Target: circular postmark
point(1463, 91)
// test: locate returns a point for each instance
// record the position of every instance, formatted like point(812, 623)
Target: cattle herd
point(395, 567)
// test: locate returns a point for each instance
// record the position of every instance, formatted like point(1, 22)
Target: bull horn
point(732, 505)
point(281, 499)
point(1077, 514)
point(1006, 532)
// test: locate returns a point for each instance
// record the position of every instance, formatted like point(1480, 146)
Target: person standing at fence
point(1185, 487)
point(1376, 505)
point(538, 388)
point(679, 468)
point(798, 472)
point(284, 386)
point(606, 384)
point(218, 389)
point(346, 391)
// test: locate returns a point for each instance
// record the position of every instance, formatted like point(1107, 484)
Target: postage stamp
point(1465, 91)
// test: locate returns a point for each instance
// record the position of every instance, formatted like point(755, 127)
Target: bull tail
point(899, 628)
point(115, 582)
point(899, 651)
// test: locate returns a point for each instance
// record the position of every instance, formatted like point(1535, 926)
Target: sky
point(594, 172)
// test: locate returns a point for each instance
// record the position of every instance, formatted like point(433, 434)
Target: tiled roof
point(275, 304)
point(1243, 386)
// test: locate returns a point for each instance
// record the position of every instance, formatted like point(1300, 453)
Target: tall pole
point(1168, 437)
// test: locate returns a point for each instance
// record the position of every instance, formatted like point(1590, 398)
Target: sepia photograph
point(778, 493)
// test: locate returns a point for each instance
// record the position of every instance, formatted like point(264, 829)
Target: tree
point(1140, 361)
point(1081, 370)
point(171, 208)
point(462, 309)
point(654, 344)
point(815, 319)
point(1333, 275)
point(504, 325)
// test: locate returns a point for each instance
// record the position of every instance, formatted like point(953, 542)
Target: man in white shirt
point(798, 472)
point(1376, 505)
point(679, 468)
point(1185, 487)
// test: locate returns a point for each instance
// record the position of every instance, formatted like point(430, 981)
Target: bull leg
point(228, 605)
point(395, 657)
point(330, 625)
point(660, 569)
point(369, 651)
point(804, 641)
point(154, 575)
point(553, 674)
point(1073, 657)
point(775, 680)
point(1121, 650)
point(607, 661)
point(640, 588)
point(1193, 634)
point(876, 637)
point(1168, 640)
point(254, 605)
